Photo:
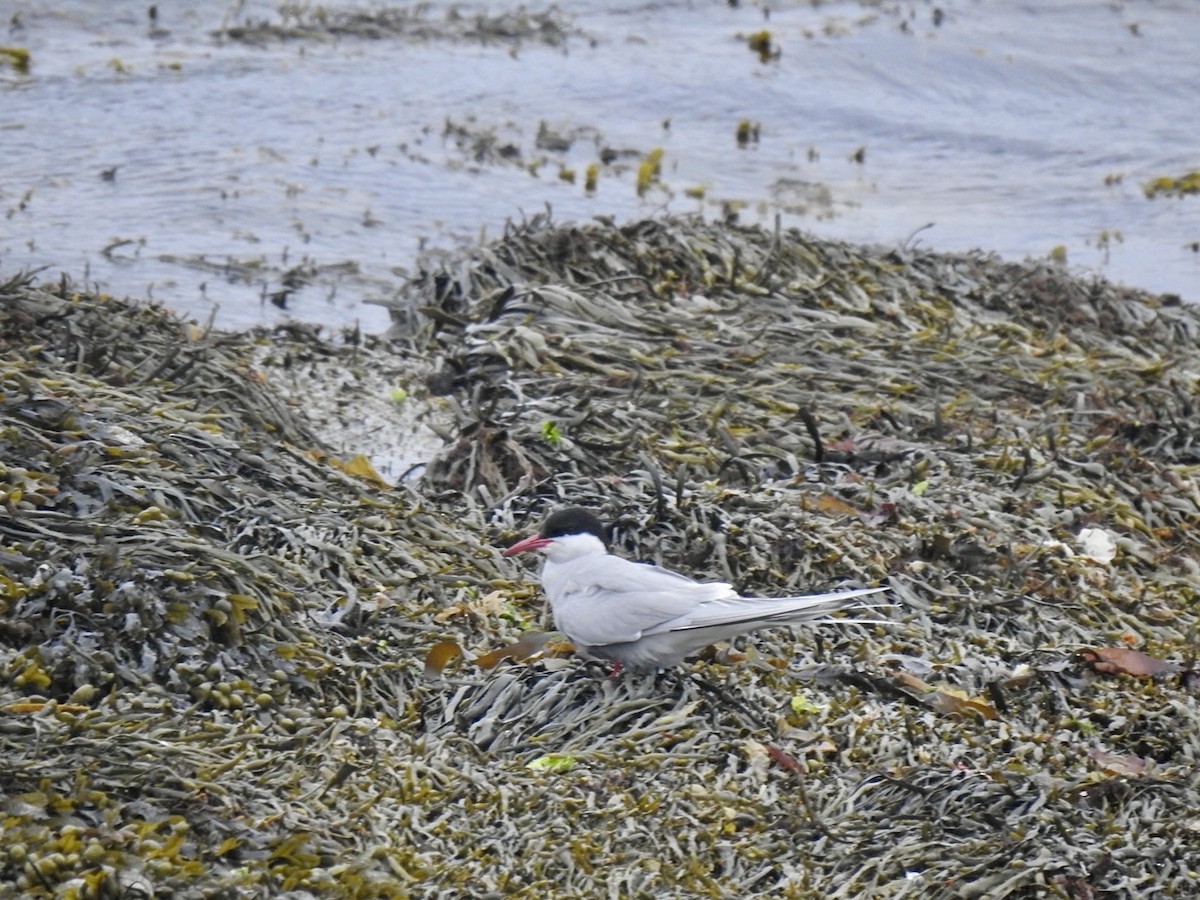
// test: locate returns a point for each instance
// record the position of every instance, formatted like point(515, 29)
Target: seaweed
point(316, 23)
point(1166, 186)
point(214, 632)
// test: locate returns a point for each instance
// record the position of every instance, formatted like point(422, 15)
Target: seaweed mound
point(214, 635)
point(1012, 448)
point(194, 602)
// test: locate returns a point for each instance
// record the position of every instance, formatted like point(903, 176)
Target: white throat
point(573, 546)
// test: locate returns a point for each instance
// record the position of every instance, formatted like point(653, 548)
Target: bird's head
point(565, 534)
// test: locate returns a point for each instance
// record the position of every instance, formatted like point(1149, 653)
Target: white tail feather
point(778, 610)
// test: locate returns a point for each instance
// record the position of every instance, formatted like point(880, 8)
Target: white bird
point(643, 617)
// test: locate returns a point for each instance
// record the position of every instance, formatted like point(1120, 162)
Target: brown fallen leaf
point(832, 506)
point(559, 648)
point(1123, 661)
point(438, 657)
point(358, 466)
point(884, 513)
point(1119, 763)
point(947, 702)
point(784, 760)
point(491, 604)
point(531, 644)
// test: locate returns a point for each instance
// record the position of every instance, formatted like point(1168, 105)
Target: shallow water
point(235, 163)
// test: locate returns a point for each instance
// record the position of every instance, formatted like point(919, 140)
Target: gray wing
point(735, 610)
point(609, 600)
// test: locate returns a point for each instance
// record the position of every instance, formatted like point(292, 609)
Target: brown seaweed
point(213, 638)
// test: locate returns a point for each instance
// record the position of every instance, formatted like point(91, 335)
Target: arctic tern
point(643, 617)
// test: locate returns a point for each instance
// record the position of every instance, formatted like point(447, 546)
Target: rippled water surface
point(159, 159)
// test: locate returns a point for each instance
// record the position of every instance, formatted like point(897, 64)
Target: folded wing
point(608, 600)
point(738, 612)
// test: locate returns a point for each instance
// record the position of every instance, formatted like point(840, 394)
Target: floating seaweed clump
point(214, 636)
point(1173, 187)
point(301, 22)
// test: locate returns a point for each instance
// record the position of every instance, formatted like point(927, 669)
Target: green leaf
point(802, 706)
point(550, 433)
point(551, 762)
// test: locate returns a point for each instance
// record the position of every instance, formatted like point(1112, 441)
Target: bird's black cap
point(574, 520)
